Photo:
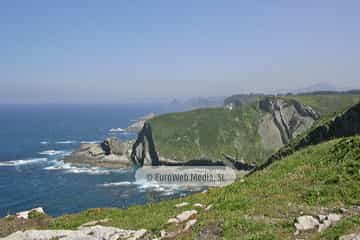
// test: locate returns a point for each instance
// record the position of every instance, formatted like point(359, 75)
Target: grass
point(327, 105)
point(209, 134)
point(263, 206)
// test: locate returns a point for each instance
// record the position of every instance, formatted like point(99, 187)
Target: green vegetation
point(209, 134)
point(328, 104)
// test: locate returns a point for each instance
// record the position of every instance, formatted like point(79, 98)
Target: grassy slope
point(325, 175)
point(327, 104)
point(209, 133)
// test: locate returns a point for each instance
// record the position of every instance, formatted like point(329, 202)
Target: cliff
point(247, 134)
point(344, 124)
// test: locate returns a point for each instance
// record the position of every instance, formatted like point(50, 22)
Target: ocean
point(34, 138)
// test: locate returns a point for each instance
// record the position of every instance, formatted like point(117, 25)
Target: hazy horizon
point(139, 51)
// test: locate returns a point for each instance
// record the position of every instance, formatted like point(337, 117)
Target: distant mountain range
point(318, 87)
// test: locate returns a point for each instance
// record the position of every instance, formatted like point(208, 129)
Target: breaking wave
point(114, 184)
point(52, 152)
point(65, 142)
point(90, 142)
point(22, 162)
point(69, 168)
point(117, 130)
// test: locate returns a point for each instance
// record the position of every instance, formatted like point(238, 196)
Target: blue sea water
point(33, 139)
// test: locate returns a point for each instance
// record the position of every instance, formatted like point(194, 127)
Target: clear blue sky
point(126, 50)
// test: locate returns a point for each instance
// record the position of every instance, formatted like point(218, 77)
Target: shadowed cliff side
point(344, 124)
point(143, 150)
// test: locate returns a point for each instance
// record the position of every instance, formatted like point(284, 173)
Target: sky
point(131, 50)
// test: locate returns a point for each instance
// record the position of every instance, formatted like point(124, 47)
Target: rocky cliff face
point(143, 150)
point(283, 121)
point(342, 125)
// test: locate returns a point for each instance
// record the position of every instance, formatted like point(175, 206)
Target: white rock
point(325, 225)
point(173, 220)
point(199, 205)
point(344, 210)
point(183, 204)
point(162, 233)
point(86, 233)
point(184, 216)
point(305, 223)
point(353, 236)
point(334, 218)
point(139, 234)
point(189, 224)
point(25, 214)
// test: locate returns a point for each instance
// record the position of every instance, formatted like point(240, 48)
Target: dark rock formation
point(143, 150)
point(343, 125)
point(113, 146)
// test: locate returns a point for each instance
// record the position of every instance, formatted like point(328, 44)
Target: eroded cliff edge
point(344, 124)
point(240, 137)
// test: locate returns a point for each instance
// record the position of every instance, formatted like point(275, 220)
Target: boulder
point(189, 224)
point(199, 205)
point(353, 236)
point(86, 233)
point(173, 220)
point(324, 225)
point(305, 223)
point(185, 216)
point(334, 218)
point(183, 204)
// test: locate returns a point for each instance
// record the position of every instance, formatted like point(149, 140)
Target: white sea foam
point(52, 152)
point(89, 142)
point(69, 168)
point(22, 162)
point(114, 184)
point(66, 142)
point(117, 130)
point(44, 142)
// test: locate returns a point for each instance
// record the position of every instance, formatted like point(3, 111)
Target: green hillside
point(327, 104)
point(209, 134)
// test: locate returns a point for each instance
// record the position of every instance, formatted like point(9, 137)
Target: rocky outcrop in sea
point(112, 152)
